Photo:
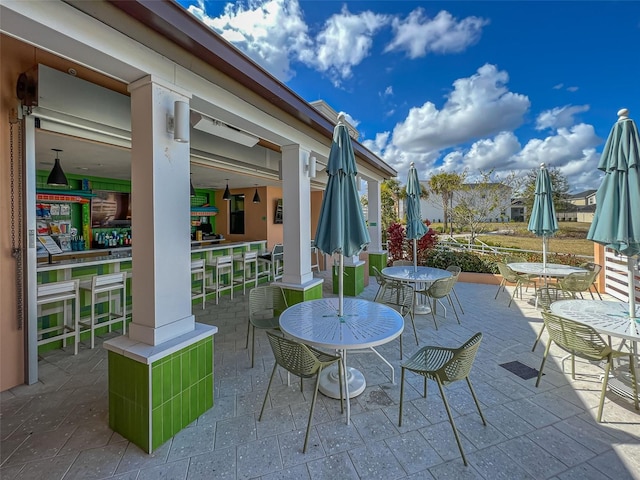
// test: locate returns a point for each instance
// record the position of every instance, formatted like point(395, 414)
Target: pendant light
point(57, 176)
point(256, 197)
point(227, 194)
point(193, 190)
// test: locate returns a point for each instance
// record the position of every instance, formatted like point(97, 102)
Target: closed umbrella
point(415, 226)
point(616, 223)
point(543, 220)
point(341, 226)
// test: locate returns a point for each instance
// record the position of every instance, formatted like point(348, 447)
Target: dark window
point(236, 214)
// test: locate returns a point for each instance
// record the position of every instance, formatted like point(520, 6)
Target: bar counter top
point(87, 258)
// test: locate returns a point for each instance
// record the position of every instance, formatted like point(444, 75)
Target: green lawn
point(571, 238)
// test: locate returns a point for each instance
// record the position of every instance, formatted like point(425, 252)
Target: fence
point(616, 279)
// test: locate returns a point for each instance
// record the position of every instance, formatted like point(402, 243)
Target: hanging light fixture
point(256, 197)
point(193, 190)
point(227, 194)
point(57, 176)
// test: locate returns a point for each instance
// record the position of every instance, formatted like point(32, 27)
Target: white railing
point(616, 277)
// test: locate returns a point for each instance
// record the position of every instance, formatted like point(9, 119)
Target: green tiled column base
point(353, 282)
point(149, 404)
point(378, 260)
point(299, 296)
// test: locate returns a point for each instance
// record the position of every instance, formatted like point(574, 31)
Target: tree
point(483, 201)
point(388, 213)
point(558, 182)
point(444, 184)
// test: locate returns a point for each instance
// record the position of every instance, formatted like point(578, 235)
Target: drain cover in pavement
point(520, 369)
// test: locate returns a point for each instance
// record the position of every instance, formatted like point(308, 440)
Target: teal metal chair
point(444, 366)
point(583, 341)
point(305, 362)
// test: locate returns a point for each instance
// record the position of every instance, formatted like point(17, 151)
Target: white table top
point(609, 318)
point(364, 323)
point(416, 275)
point(552, 270)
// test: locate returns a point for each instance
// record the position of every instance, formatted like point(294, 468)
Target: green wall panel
point(171, 393)
point(378, 260)
point(353, 282)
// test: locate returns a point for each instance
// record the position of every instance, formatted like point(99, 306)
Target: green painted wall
point(378, 260)
point(353, 282)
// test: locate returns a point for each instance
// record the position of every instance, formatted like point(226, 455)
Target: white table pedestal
point(330, 385)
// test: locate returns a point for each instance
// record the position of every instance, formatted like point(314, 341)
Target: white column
point(374, 216)
point(296, 206)
point(160, 204)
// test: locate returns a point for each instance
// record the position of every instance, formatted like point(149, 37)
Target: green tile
point(185, 360)
point(176, 414)
point(176, 376)
point(193, 354)
point(166, 381)
point(167, 420)
point(193, 396)
point(202, 359)
point(208, 388)
point(208, 345)
point(156, 428)
point(186, 407)
point(156, 385)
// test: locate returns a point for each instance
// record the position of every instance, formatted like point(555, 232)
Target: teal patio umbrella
point(415, 226)
point(616, 223)
point(341, 226)
point(543, 222)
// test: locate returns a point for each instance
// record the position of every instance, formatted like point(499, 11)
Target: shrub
point(469, 262)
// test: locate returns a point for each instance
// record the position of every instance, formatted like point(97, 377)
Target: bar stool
point(105, 290)
point(198, 275)
point(315, 262)
point(275, 261)
point(249, 262)
point(66, 292)
point(222, 265)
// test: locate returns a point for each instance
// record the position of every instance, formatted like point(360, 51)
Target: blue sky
point(454, 86)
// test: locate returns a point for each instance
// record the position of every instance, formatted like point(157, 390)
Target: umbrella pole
point(544, 257)
point(415, 255)
point(341, 285)
point(632, 287)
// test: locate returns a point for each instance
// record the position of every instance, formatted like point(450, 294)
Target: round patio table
point(609, 318)
point(552, 270)
point(364, 324)
point(417, 276)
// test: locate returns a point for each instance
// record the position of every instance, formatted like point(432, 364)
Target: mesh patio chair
point(444, 366)
point(380, 279)
point(400, 297)
point(583, 341)
point(579, 282)
point(595, 268)
point(402, 263)
point(455, 271)
point(305, 362)
point(266, 303)
point(509, 276)
point(545, 297)
point(438, 290)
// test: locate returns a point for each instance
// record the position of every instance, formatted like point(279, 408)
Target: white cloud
point(558, 86)
point(388, 90)
point(559, 117)
point(478, 106)
point(572, 89)
point(344, 41)
point(418, 34)
point(270, 32)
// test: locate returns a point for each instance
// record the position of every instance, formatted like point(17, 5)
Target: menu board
point(50, 244)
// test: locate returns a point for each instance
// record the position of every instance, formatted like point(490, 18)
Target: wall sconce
point(256, 197)
point(227, 194)
point(178, 124)
point(310, 167)
point(57, 176)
